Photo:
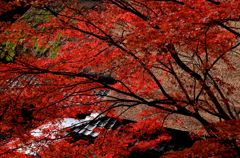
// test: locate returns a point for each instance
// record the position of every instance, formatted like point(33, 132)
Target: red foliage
point(226, 144)
point(117, 143)
point(161, 54)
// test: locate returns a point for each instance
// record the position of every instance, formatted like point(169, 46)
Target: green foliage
point(55, 45)
point(35, 16)
point(50, 50)
point(7, 52)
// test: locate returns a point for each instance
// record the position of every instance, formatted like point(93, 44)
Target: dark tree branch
point(195, 75)
point(228, 28)
point(214, 2)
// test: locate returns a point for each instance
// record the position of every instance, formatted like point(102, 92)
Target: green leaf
point(9, 58)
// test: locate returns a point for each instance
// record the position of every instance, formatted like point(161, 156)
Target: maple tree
point(134, 48)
